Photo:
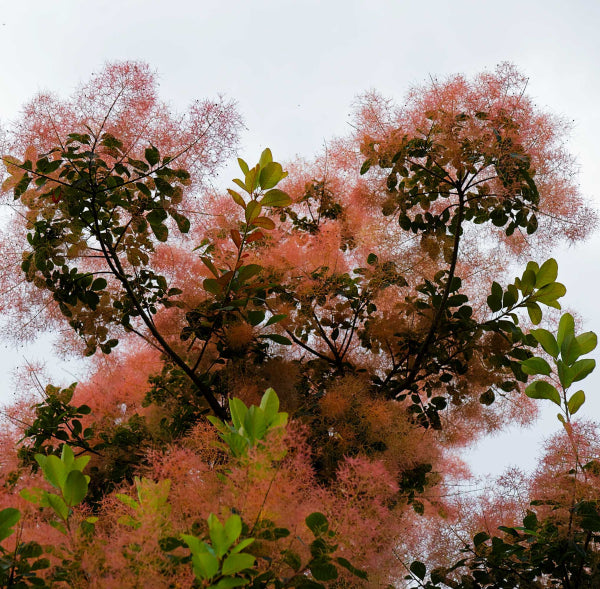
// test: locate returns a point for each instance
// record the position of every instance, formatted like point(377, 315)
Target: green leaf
point(365, 167)
point(152, 155)
point(547, 340)
point(235, 563)
point(317, 523)
point(264, 222)
point(183, 223)
point(75, 488)
point(275, 319)
point(569, 349)
point(255, 424)
point(372, 259)
point(540, 389)
point(238, 411)
point(58, 505)
point(229, 582)
point(34, 495)
point(278, 339)
point(582, 368)
point(209, 264)
point(269, 404)
point(547, 273)
point(212, 286)
point(53, 468)
point(494, 303)
point(160, 232)
point(418, 569)
point(587, 342)
point(270, 175)
point(241, 185)
point(565, 374)
point(156, 216)
point(243, 544)
point(233, 528)
point(565, 326)
point(276, 198)
point(253, 209)
point(8, 518)
point(237, 198)
point(535, 312)
point(99, 284)
point(480, 538)
point(536, 366)
point(575, 402)
point(550, 293)
point(218, 536)
point(251, 179)
point(249, 271)
point(292, 560)
point(527, 282)
point(266, 157)
point(256, 317)
point(323, 570)
point(349, 567)
point(205, 565)
point(243, 165)
point(510, 298)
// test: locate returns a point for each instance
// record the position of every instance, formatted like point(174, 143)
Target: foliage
point(370, 289)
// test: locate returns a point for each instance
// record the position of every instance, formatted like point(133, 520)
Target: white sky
point(295, 66)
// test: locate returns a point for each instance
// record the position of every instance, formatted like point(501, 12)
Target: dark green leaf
point(418, 569)
point(317, 523)
point(99, 284)
point(256, 317)
point(323, 570)
point(152, 156)
point(279, 339)
point(161, 232)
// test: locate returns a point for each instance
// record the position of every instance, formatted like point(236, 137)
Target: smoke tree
point(369, 288)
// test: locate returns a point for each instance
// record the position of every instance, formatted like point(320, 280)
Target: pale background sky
point(295, 66)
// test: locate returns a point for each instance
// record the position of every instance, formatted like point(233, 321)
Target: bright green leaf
point(75, 488)
point(233, 528)
point(205, 565)
point(565, 326)
point(235, 563)
point(547, 273)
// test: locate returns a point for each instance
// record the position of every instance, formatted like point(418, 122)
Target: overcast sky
point(295, 66)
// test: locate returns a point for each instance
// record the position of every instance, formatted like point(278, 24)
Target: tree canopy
point(367, 292)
